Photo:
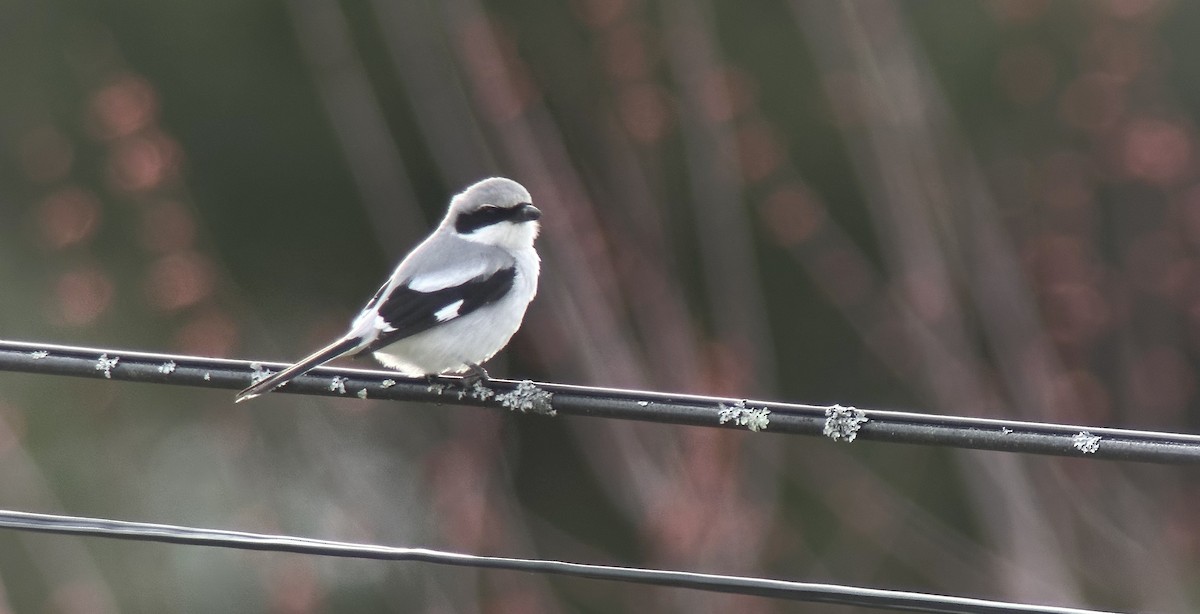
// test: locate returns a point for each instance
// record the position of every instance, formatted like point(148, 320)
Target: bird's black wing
point(407, 312)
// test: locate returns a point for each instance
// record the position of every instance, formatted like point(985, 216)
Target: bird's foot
point(473, 384)
point(476, 376)
point(433, 384)
point(470, 384)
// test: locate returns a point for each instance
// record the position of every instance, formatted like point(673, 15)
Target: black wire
point(841, 423)
point(778, 589)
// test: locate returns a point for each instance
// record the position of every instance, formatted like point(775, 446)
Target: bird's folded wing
point(404, 312)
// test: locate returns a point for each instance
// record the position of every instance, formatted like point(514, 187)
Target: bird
point(454, 301)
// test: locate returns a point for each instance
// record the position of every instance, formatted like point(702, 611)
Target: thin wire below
point(741, 585)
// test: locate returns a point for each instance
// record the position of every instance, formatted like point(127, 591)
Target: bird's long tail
point(318, 358)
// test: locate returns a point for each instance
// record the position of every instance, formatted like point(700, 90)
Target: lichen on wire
point(753, 418)
point(843, 423)
point(840, 423)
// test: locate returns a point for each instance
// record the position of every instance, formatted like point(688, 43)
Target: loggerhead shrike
point(455, 300)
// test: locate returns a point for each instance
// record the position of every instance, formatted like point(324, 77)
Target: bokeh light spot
point(926, 294)
point(211, 333)
point(293, 587)
point(67, 217)
point(792, 215)
point(142, 163)
point(726, 93)
point(1156, 151)
point(82, 295)
point(79, 596)
point(178, 280)
point(122, 108)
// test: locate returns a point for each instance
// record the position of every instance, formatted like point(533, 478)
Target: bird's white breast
point(473, 338)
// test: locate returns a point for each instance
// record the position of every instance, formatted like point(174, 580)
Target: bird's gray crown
point(497, 191)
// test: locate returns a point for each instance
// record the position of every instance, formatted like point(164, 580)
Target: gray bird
point(455, 300)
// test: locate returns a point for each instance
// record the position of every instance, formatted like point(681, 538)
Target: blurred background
point(973, 208)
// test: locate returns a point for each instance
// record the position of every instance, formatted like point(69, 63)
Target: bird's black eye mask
point(467, 223)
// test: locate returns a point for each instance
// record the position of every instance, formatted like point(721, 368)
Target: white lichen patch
point(106, 364)
point(435, 388)
point(38, 355)
point(753, 418)
point(259, 373)
point(842, 423)
point(481, 392)
point(476, 391)
point(362, 394)
point(643, 403)
point(338, 384)
point(528, 398)
point(387, 383)
point(167, 368)
point(1004, 430)
point(207, 376)
point(1086, 442)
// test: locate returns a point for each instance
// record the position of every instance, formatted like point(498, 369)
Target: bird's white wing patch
point(368, 325)
point(449, 311)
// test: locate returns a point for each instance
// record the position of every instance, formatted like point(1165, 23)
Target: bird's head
point(495, 211)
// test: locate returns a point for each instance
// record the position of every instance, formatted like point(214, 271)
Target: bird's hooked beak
point(528, 213)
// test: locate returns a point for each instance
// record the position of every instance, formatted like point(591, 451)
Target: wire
point(741, 585)
point(845, 424)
